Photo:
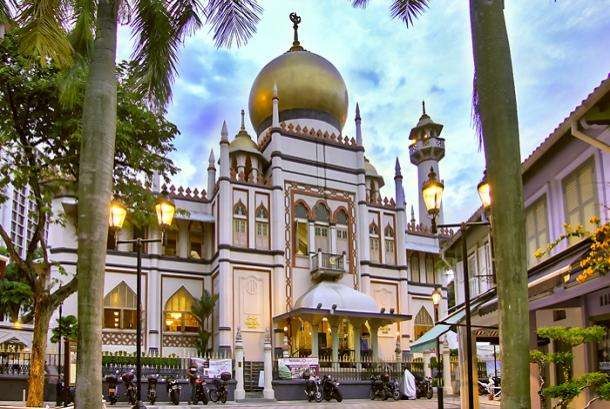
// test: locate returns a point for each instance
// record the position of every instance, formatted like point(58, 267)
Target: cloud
point(559, 55)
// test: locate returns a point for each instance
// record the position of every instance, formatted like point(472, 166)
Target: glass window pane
point(301, 212)
point(112, 318)
point(302, 238)
point(129, 319)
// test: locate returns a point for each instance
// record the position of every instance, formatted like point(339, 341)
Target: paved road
point(450, 403)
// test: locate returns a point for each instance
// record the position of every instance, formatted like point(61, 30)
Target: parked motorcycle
point(199, 390)
point(152, 388)
point(130, 387)
point(390, 387)
point(220, 393)
point(423, 386)
point(173, 390)
point(330, 389)
point(312, 387)
point(112, 381)
point(377, 390)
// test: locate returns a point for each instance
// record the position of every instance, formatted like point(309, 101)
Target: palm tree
point(495, 110)
point(202, 310)
point(159, 27)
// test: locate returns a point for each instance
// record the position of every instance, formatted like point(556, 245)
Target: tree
point(202, 310)
point(568, 388)
point(495, 111)
point(67, 327)
point(40, 149)
point(159, 27)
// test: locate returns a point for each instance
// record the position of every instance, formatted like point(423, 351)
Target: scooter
point(130, 387)
point(390, 387)
point(152, 388)
point(219, 394)
point(312, 387)
point(199, 390)
point(423, 386)
point(173, 391)
point(330, 389)
point(377, 389)
point(112, 381)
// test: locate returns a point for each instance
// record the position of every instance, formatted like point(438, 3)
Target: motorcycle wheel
point(384, 395)
point(373, 394)
point(214, 395)
point(430, 393)
point(204, 398)
point(396, 394)
point(318, 397)
point(175, 400)
point(223, 398)
point(338, 395)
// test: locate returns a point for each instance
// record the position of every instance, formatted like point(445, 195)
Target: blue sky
point(560, 53)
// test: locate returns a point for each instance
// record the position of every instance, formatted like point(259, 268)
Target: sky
point(560, 52)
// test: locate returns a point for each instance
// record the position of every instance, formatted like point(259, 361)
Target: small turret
point(211, 174)
point(275, 115)
point(399, 190)
point(358, 127)
point(224, 151)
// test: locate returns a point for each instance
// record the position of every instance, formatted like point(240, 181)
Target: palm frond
point(185, 16)
point(84, 24)
point(232, 21)
point(408, 10)
point(41, 33)
point(156, 51)
point(360, 3)
point(6, 11)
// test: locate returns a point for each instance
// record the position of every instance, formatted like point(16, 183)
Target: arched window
point(262, 227)
point(430, 270)
point(120, 306)
point(341, 221)
point(177, 312)
point(240, 225)
point(322, 215)
point(301, 236)
point(390, 245)
point(374, 243)
point(414, 267)
point(195, 240)
point(423, 323)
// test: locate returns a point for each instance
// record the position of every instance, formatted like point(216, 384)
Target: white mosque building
point(291, 233)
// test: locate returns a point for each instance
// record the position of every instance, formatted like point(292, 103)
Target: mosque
point(292, 233)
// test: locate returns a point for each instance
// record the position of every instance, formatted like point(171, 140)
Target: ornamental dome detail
point(309, 87)
point(346, 298)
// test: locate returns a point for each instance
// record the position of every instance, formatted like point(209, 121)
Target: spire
point(224, 133)
point(275, 113)
point(211, 160)
point(243, 126)
point(358, 127)
point(397, 172)
point(296, 20)
point(275, 95)
point(423, 107)
point(412, 215)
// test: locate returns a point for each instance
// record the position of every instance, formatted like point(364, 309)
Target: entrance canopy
point(428, 340)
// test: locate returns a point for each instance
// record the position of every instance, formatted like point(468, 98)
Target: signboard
point(293, 368)
point(218, 366)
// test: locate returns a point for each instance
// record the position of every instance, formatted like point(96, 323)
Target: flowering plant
point(597, 261)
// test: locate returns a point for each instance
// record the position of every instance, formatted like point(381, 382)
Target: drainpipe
point(587, 138)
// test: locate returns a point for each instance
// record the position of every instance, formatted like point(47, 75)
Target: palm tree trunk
point(496, 109)
point(94, 194)
point(42, 316)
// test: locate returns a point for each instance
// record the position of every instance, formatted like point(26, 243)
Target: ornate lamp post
point(165, 210)
point(432, 192)
point(437, 296)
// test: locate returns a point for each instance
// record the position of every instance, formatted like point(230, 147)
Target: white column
point(312, 238)
point(315, 327)
point(448, 387)
point(268, 392)
point(240, 393)
point(427, 369)
point(183, 240)
point(374, 328)
point(333, 239)
point(357, 331)
point(334, 327)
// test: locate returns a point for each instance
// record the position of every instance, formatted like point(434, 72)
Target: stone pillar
point(183, 249)
point(375, 340)
point(315, 327)
point(464, 369)
point(448, 387)
point(240, 393)
point(312, 238)
point(333, 239)
point(427, 369)
point(334, 327)
point(357, 330)
point(268, 392)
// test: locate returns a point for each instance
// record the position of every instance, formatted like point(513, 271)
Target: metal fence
point(18, 363)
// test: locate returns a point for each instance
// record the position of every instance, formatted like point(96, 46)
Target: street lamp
point(165, 210)
point(432, 192)
point(437, 296)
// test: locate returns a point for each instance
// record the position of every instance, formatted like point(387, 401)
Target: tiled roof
point(602, 89)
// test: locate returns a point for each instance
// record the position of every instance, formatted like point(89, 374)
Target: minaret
point(427, 148)
point(211, 174)
point(358, 127)
point(362, 220)
point(399, 190)
point(401, 259)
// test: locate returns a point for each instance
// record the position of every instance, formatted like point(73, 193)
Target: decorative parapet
point(252, 179)
point(309, 133)
point(186, 193)
point(379, 202)
point(180, 340)
point(424, 230)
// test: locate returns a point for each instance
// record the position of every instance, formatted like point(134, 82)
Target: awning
point(428, 340)
point(196, 216)
point(312, 313)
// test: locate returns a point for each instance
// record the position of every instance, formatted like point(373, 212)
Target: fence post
point(268, 392)
point(240, 392)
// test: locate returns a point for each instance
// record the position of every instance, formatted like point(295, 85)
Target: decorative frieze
point(180, 340)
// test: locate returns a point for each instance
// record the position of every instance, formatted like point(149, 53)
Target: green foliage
point(202, 310)
point(66, 327)
point(596, 382)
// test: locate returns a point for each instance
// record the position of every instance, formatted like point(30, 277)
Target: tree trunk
point(94, 194)
point(496, 106)
point(42, 317)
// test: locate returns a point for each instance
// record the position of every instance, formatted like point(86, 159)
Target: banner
point(293, 368)
point(218, 366)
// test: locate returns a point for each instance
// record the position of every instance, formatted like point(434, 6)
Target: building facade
point(292, 233)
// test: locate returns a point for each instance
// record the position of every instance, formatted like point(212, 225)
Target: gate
point(252, 371)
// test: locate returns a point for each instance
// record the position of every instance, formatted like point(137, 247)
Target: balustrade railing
point(323, 263)
point(18, 363)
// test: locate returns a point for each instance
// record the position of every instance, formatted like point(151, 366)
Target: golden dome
point(308, 85)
